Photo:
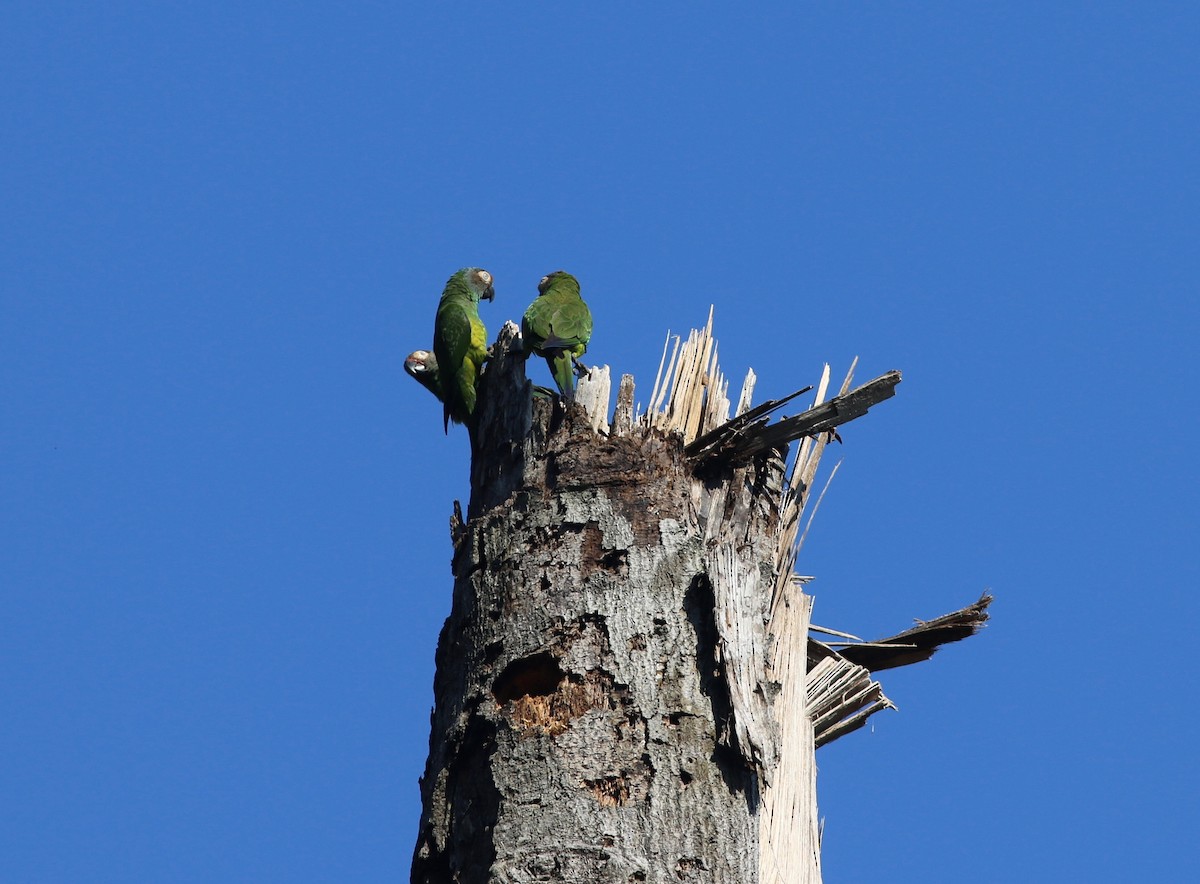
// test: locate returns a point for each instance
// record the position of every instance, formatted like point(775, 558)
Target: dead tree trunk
point(621, 690)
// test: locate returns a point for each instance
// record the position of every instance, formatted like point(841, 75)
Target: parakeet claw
point(581, 370)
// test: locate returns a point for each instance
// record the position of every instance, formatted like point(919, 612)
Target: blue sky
point(225, 555)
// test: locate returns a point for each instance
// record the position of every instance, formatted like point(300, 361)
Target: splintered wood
point(841, 697)
point(788, 831)
point(699, 392)
point(592, 393)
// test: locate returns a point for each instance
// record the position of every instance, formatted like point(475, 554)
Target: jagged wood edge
point(922, 641)
point(735, 443)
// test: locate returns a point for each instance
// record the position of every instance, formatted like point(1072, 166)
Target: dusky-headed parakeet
point(460, 341)
point(422, 367)
point(558, 325)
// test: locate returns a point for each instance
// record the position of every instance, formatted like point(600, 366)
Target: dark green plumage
point(558, 325)
point(460, 341)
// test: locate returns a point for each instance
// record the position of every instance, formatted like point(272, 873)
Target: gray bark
point(601, 710)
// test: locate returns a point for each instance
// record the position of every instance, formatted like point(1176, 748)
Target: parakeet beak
point(489, 293)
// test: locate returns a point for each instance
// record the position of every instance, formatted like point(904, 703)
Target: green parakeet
point(460, 341)
point(422, 367)
point(558, 325)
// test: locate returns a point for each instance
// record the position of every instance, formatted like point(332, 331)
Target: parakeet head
point(559, 279)
point(473, 282)
point(420, 363)
point(422, 367)
point(479, 281)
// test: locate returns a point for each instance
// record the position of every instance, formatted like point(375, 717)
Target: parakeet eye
point(485, 277)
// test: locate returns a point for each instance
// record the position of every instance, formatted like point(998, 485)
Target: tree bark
point(608, 707)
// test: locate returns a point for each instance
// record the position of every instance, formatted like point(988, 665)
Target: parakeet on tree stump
point(558, 325)
point(460, 341)
point(422, 367)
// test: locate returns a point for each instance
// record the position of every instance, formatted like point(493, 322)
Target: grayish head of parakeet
point(422, 367)
point(558, 325)
point(479, 282)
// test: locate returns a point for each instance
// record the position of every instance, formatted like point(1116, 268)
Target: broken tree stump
point(623, 690)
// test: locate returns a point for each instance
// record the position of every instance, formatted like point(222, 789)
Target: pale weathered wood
point(812, 627)
point(592, 394)
point(841, 694)
point(662, 382)
point(623, 415)
point(747, 393)
point(788, 829)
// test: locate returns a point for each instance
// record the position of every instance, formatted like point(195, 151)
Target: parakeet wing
point(451, 346)
point(451, 334)
point(549, 325)
point(568, 326)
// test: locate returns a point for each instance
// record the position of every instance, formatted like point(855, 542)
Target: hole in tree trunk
point(536, 676)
